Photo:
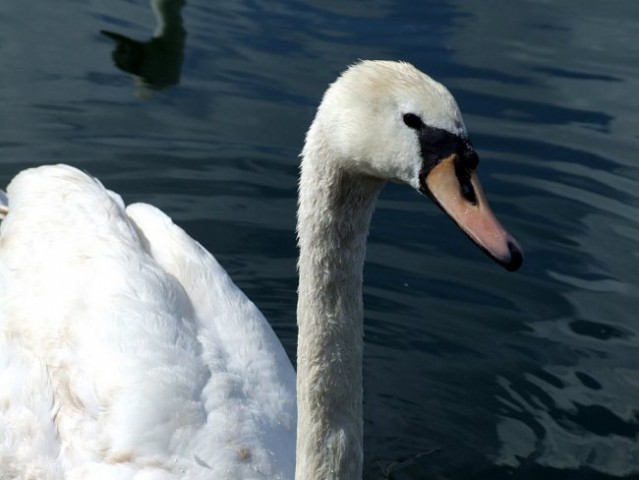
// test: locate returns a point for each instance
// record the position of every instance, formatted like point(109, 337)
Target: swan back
point(140, 356)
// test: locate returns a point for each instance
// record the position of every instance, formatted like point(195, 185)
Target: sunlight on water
point(566, 119)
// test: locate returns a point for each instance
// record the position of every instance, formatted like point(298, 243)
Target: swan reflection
point(155, 64)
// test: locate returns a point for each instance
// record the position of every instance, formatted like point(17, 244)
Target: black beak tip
point(516, 257)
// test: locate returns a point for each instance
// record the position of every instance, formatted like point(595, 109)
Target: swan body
point(126, 349)
point(126, 352)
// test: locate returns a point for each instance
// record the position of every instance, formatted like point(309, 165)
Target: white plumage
point(126, 352)
point(126, 347)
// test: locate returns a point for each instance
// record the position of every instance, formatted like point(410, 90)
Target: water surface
point(470, 372)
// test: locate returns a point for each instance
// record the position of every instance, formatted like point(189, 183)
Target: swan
point(126, 351)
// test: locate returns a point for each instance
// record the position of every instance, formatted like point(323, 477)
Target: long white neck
point(333, 219)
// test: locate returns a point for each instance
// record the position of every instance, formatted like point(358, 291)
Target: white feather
point(139, 353)
point(126, 351)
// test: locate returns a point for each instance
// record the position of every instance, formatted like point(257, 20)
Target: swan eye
point(413, 121)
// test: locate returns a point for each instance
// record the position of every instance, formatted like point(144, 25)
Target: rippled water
point(471, 372)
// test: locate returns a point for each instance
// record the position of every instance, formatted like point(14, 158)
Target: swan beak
point(458, 192)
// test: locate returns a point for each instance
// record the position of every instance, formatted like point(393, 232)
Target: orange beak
point(471, 212)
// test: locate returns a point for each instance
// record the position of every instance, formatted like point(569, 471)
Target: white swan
point(126, 352)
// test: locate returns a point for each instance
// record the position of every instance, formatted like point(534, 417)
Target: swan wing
point(251, 391)
point(126, 350)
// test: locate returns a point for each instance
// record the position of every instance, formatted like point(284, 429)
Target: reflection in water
point(155, 64)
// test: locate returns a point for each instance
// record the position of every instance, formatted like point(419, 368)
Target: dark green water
point(470, 372)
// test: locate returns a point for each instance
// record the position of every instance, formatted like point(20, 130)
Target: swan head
point(389, 120)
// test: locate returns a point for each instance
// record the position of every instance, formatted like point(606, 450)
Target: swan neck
point(334, 214)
